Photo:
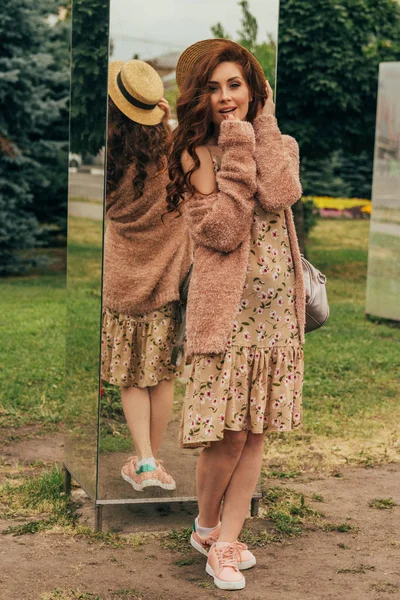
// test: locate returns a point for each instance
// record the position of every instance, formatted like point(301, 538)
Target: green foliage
point(33, 127)
point(110, 402)
point(89, 75)
point(382, 503)
point(328, 70)
point(38, 495)
point(265, 52)
point(310, 216)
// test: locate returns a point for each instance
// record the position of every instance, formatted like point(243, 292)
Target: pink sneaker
point(222, 566)
point(203, 544)
point(159, 477)
point(245, 558)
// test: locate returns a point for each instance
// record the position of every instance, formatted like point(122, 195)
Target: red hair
point(194, 114)
point(130, 143)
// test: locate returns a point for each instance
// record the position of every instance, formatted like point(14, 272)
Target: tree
point(329, 53)
point(33, 127)
point(50, 190)
point(265, 52)
point(89, 75)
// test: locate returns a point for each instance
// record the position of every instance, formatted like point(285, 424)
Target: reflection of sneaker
point(158, 477)
point(222, 566)
point(245, 558)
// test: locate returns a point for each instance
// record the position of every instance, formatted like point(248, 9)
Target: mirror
point(85, 235)
point(383, 280)
point(156, 36)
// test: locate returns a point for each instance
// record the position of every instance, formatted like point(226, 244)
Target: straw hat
point(196, 52)
point(136, 88)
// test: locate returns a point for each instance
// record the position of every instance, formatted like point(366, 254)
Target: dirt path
point(363, 565)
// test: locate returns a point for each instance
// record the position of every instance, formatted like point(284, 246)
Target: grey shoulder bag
point(317, 307)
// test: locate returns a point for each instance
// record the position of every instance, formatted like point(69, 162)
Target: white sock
point(204, 531)
point(146, 461)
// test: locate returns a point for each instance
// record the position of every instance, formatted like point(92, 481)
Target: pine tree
point(32, 100)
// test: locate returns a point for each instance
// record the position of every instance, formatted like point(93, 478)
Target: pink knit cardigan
point(259, 165)
point(147, 251)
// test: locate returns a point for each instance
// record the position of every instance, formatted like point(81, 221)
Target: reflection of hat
point(196, 52)
point(136, 88)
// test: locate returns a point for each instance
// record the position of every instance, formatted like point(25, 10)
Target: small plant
point(59, 594)
point(384, 586)
point(177, 539)
point(317, 498)
point(382, 503)
point(288, 512)
point(341, 527)
point(355, 570)
point(282, 474)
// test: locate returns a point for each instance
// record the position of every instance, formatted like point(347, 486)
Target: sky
point(156, 27)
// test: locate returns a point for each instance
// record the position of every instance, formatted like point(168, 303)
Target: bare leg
point(136, 406)
point(214, 471)
point(161, 400)
point(241, 487)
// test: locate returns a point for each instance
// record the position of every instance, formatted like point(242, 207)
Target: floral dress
point(257, 383)
point(136, 350)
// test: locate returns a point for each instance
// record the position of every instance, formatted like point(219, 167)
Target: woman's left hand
point(269, 106)
point(164, 105)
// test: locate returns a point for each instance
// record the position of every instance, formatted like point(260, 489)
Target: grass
point(351, 380)
point(32, 353)
point(357, 569)
point(284, 514)
point(351, 368)
point(35, 495)
point(382, 503)
point(384, 586)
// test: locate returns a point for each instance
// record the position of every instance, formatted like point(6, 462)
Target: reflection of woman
point(146, 256)
point(245, 314)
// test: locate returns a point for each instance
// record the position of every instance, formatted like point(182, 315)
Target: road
point(86, 185)
point(86, 210)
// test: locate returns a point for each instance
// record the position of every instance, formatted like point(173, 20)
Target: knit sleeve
point(222, 219)
point(278, 168)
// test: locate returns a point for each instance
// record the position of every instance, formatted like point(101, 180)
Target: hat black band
point(130, 98)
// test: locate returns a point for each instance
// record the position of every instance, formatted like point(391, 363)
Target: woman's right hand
point(164, 105)
point(269, 106)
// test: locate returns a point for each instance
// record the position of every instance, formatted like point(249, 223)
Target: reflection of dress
point(257, 383)
point(136, 350)
point(146, 256)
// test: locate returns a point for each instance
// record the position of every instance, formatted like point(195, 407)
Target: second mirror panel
point(156, 35)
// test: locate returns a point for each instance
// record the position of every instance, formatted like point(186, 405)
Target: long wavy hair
point(194, 115)
point(130, 143)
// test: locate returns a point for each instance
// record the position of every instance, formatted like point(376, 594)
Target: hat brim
point(191, 56)
point(139, 115)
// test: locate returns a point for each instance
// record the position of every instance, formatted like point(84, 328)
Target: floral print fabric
point(136, 350)
point(257, 383)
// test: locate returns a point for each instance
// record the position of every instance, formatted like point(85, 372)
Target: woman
point(234, 177)
point(146, 256)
